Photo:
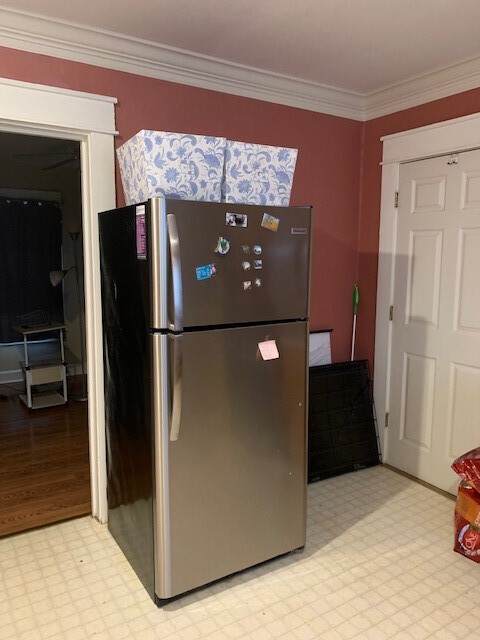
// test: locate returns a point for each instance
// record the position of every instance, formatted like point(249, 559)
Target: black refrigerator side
point(126, 339)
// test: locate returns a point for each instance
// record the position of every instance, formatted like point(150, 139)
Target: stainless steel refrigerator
point(205, 316)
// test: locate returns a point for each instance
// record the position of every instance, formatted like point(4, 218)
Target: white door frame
point(90, 119)
point(459, 134)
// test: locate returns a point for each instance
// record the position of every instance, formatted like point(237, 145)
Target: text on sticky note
point(268, 350)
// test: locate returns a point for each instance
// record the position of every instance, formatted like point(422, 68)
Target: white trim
point(425, 88)
point(58, 91)
point(37, 110)
point(433, 140)
point(53, 110)
point(5, 376)
point(46, 36)
point(459, 134)
point(110, 50)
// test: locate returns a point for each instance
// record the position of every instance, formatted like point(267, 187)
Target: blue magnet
point(205, 271)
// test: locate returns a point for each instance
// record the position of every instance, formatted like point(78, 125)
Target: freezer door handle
point(176, 270)
point(176, 414)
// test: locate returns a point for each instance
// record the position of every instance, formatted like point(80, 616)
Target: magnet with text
point(236, 219)
point(270, 222)
point(268, 350)
point(206, 271)
point(223, 246)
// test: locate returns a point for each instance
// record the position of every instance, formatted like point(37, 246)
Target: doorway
point(44, 462)
point(435, 373)
point(431, 141)
point(35, 109)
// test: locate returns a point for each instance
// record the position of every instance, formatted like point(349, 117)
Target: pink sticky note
point(268, 350)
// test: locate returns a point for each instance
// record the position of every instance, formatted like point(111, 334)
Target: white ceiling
point(360, 47)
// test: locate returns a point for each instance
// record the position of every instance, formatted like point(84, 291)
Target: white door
point(435, 364)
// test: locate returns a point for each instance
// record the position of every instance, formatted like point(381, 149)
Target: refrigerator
point(205, 321)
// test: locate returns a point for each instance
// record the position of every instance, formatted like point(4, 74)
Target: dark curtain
point(30, 247)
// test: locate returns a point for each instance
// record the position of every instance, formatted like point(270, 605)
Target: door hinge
point(395, 200)
point(390, 313)
point(386, 420)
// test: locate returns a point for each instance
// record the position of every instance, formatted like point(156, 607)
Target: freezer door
point(219, 272)
point(230, 456)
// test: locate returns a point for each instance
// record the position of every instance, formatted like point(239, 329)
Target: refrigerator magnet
point(236, 219)
point(247, 285)
point(257, 264)
point(223, 246)
point(268, 350)
point(205, 272)
point(270, 222)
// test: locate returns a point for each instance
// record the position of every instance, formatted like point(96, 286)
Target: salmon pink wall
point(452, 107)
point(327, 174)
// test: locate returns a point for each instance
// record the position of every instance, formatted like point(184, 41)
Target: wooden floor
point(44, 463)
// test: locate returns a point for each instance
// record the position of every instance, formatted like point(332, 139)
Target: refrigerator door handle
point(176, 267)
point(176, 414)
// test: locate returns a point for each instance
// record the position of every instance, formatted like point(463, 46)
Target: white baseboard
point(15, 375)
point(9, 377)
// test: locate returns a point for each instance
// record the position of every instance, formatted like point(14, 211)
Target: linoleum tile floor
point(378, 564)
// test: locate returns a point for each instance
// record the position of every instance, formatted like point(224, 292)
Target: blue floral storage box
point(258, 174)
point(172, 165)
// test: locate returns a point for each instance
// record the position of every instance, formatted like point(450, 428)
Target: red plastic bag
point(467, 522)
point(467, 507)
point(468, 468)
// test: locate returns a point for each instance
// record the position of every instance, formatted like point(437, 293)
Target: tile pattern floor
point(378, 564)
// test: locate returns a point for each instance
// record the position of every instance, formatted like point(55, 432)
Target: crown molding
point(425, 88)
point(37, 34)
point(46, 36)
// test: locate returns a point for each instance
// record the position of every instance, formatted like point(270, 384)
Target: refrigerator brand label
point(299, 231)
point(141, 233)
point(268, 350)
point(269, 222)
point(205, 271)
point(236, 219)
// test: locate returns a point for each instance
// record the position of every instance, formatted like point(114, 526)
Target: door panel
point(464, 405)
point(436, 327)
point(417, 409)
point(278, 276)
point(424, 276)
point(237, 475)
point(466, 294)
point(428, 194)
